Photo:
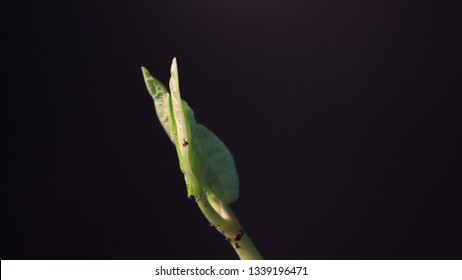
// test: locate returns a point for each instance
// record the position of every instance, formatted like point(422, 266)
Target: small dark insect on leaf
point(227, 238)
point(185, 143)
point(238, 235)
point(235, 245)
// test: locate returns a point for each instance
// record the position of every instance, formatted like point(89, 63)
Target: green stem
point(222, 217)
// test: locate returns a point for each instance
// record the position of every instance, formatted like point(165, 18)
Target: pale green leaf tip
point(174, 66)
point(146, 73)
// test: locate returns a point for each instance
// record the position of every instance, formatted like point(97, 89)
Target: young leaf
point(181, 122)
point(219, 172)
point(183, 117)
point(161, 101)
point(206, 154)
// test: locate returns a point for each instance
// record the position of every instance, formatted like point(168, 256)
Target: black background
point(341, 115)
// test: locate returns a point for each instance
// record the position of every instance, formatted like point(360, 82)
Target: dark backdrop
point(341, 115)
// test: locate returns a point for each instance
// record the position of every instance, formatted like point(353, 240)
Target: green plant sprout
point(207, 164)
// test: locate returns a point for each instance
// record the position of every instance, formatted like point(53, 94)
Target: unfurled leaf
point(219, 172)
